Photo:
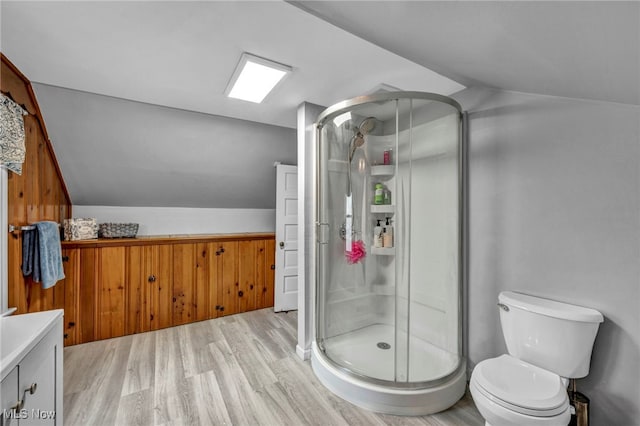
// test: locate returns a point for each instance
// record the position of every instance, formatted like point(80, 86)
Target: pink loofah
point(357, 252)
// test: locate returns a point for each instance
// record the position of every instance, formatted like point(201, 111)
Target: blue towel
point(51, 270)
point(30, 261)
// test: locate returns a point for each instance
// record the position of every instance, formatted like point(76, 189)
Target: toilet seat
point(521, 387)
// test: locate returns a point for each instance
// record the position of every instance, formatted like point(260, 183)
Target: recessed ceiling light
point(255, 77)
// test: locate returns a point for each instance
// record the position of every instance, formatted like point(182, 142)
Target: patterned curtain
point(12, 150)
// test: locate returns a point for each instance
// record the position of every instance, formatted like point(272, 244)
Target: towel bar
point(13, 228)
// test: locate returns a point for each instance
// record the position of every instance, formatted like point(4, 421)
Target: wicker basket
point(118, 230)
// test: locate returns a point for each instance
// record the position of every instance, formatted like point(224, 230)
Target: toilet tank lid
point(549, 307)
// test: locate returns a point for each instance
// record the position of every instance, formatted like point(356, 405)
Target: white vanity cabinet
point(32, 369)
point(9, 395)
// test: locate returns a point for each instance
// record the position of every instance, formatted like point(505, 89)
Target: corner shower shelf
point(383, 251)
point(386, 170)
point(383, 208)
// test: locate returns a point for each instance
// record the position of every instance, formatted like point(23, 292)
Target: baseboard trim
point(304, 354)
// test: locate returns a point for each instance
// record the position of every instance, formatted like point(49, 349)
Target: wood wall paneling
point(261, 259)
point(31, 172)
point(68, 300)
point(87, 296)
point(115, 290)
point(18, 285)
point(214, 292)
point(270, 266)
point(17, 85)
point(38, 194)
point(111, 292)
point(246, 275)
point(201, 301)
point(137, 290)
point(162, 288)
point(228, 278)
point(47, 185)
point(183, 283)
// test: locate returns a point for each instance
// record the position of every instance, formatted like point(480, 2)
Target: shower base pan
point(360, 348)
point(369, 351)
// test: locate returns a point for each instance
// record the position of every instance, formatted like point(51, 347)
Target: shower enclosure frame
point(393, 397)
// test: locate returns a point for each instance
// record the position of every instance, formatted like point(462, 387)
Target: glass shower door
point(357, 327)
point(389, 313)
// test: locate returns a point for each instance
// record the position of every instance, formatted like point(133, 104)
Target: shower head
point(367, 125)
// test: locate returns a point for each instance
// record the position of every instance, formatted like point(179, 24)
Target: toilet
point(549, 343)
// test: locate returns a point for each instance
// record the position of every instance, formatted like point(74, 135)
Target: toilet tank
point(553, 335)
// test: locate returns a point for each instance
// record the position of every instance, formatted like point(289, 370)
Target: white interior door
point(286, 286)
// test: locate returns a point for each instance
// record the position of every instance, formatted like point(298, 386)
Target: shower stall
point(389, 252)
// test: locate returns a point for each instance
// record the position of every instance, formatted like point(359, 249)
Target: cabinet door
point(138, 289)
point(214, 280)
point(265, 274)
point(38, 385)
point(87, 295)
point(246, 275)
point(66, 295)
point(9, 398)
point(270, 271)
point(161, 289)
point(260, 274)
point(227, 277)
point(202, 300)
point(111, 292)
point(183, 283)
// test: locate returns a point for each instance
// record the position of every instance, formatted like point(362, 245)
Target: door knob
point(281, 244)
point(32, 388)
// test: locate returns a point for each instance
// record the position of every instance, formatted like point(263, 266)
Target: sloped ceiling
point(578, 49)
point(132, 93)
point(182, 143)
point(181, 54)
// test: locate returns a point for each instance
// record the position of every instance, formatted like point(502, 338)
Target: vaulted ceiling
point(578, 49)
point(133, 91)
point(181, 54)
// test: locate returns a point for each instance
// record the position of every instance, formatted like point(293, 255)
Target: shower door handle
point(321, 229)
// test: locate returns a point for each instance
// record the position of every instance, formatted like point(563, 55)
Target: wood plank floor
point(236, 370)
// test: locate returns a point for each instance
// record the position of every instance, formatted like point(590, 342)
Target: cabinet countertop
point(21, 333)
point(168, 239)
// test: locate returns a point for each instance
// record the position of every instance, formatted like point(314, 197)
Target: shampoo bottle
point(378, 195)
point(386, 196)
point(377, 235)
point(387, 239)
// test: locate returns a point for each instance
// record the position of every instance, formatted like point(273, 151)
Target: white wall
point(182, 220)
point(554, 211)
point(117, 152)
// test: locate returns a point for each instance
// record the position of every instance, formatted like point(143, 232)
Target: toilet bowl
point(548, 342)
point(508, 391)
